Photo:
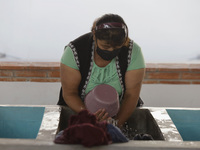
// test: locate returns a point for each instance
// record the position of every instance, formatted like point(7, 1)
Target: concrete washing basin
point(141, 121)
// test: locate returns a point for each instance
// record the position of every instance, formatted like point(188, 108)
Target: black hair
point(114, 36)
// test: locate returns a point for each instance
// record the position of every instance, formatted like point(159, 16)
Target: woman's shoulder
point(68, 58)
point(136, 47)
point(137, 59)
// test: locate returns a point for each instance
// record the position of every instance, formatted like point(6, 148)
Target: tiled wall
point(166, 73)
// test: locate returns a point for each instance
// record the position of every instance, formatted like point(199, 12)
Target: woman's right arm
point(70, 80)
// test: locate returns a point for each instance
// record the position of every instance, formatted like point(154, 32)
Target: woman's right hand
point(101, 115)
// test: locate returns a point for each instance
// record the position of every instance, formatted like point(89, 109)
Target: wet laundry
point(84, 129)
point(116, 135)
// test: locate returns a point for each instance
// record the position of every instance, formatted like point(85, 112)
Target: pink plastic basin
point(103, 96)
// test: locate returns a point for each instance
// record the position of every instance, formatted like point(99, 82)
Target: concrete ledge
point(14, 144)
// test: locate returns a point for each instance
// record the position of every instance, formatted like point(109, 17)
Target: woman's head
point(112, 29)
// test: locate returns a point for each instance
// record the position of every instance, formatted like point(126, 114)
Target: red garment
point(84, 129)
point(83, 117)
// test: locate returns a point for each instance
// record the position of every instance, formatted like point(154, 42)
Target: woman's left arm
point(133, 82)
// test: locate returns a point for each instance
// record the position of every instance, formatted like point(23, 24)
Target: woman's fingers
point(98, 112)
point(101, 115)
point(104, 117)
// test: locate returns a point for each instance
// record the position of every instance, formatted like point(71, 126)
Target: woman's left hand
point(101, 115)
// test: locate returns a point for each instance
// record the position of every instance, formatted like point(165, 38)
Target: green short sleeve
point(137, 59)
point(68, 58)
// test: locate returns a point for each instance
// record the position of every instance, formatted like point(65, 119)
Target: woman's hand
point(101, 115)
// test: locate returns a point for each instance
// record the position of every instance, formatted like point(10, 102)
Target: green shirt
point(108, 74)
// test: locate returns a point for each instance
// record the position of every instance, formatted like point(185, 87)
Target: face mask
point(107, 55)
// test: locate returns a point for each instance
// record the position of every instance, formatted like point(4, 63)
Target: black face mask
point(108, 55)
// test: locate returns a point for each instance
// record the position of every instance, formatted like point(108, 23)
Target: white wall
point(166, 95)
point(154, 95)
point(30, 93)
point(38, 30)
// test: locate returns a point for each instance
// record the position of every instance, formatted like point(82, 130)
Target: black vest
point(82, 50)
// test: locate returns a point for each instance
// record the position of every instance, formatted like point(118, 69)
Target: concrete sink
point(141, 121)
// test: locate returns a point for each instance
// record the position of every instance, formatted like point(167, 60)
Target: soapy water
point(126, 130)
point(112, 121)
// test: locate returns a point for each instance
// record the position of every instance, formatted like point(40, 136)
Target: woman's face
point(105, 51)
point(102, 44)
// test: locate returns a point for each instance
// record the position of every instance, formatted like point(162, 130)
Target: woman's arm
point(70, 80)
point(133, 82)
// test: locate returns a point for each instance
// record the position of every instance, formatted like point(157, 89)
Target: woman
point(104, 56)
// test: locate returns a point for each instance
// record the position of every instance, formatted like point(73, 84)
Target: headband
point(110, 25)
